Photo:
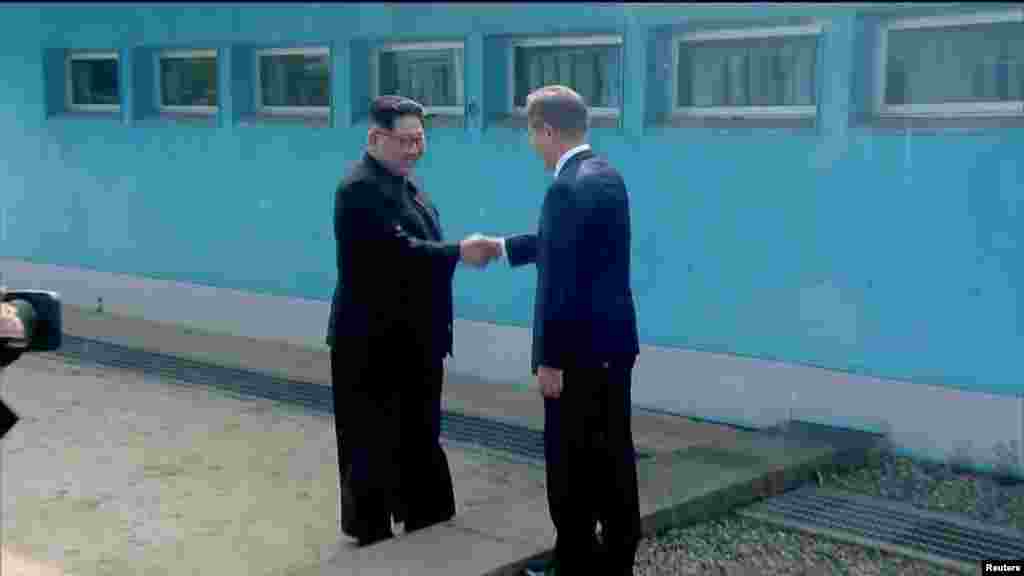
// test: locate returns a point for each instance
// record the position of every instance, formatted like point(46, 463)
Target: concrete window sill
point(519, 121)
point(84, 115)
point(310, 120)
point(195, 119)
point(805, 124)
point(445, 121)
point(936, 124)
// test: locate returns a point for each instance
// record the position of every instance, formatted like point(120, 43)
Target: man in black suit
point(584, 341)
point(390, 331)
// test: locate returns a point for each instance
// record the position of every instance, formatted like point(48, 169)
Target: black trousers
point(388, 426)
point(591, 471)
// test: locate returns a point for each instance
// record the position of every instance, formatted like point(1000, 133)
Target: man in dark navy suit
point(584, 341)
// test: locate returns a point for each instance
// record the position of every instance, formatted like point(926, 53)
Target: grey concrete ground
point(113, 472)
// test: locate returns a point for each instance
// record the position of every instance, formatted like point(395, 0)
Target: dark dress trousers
point(389, 331)
point(584, 323)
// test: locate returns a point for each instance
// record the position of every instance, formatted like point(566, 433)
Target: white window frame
point(460, 70)
point(290, 110)
point(205, 53)
point(952, 109)
point(814, 29)
point(69, 88)
point(560, 41)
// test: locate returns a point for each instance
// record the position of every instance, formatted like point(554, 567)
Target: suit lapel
point(569, 170)
point(418, 210)
point(426, 211)
point(566, 177)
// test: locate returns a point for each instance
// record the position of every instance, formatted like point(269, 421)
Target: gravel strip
point(735, 545)
point(938, 487)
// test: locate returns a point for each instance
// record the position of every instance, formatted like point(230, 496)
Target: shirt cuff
point(504, 253)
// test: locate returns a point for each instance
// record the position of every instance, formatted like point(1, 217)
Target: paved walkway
point(113, 472)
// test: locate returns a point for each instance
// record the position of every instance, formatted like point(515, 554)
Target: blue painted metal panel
point(882, 252)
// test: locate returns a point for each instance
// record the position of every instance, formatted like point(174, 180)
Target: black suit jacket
point(395, 272)
point(583, 309)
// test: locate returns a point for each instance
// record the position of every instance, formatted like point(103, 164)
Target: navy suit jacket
point(583, 308)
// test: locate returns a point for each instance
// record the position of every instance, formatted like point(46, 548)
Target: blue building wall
point(848, 246)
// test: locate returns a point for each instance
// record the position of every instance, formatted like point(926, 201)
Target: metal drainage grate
point(187, 371)
point(491, 434)
point(899, 524)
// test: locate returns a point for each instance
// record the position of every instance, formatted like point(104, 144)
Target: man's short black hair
point(384, 110)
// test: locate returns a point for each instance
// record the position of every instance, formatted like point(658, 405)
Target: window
point(188, 81)
point(293, 80)
point(757, 72)
point(592, 66)
point(92, 82)
point(952, 65)
point(430, 73)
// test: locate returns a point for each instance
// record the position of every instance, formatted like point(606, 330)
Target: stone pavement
point(115, 472)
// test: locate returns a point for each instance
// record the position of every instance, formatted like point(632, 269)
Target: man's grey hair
point(559, 107)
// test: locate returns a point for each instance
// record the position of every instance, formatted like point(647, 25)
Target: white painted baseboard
point(929, 421)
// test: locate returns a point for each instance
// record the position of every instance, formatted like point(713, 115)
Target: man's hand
point(477, 250)
point(12, 330)
point(549, 380)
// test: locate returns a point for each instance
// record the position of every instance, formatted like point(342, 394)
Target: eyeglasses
point(406, 140)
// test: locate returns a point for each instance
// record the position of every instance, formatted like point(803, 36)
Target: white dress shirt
point(558, 170)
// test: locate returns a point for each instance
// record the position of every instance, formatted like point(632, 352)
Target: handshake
point(478, 250)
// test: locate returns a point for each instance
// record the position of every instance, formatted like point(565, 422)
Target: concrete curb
point(717, 503)
point(768, 483)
